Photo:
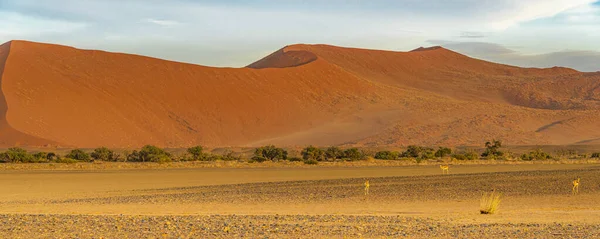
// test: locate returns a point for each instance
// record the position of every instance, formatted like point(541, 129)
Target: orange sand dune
point(301, 94)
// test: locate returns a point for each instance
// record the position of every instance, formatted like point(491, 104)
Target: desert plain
point(301, 202)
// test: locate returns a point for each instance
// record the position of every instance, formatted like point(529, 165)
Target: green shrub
point(149, 153)
point(16, 155)
point(271, 152)
point(595, 155)
point(354, 154)
point(103, 154)
point(443, 152)
point(467, 155)
point(387, 155)
point(78, 154)
point(196, 152)
point(537, 154)
point(65, 160)
point(414, 151)
point(333, 153)
point(311, 162)
point(41, 157)
point(492, 150)
point(229, 155)
point(295, 159)
point(313, 153)
point(258, 159)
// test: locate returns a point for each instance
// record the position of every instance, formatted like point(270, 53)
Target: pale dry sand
point(317, 202)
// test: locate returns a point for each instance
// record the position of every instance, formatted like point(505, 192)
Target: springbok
point(445, 169)
point(576, 185)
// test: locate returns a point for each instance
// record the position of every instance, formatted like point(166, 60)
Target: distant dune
point(302, 94)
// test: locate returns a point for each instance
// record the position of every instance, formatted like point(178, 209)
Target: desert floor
point(408, 201)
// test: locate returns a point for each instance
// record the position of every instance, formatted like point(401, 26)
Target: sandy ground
point(415, 201)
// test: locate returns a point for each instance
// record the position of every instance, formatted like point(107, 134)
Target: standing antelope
point(445, 169)
point(367, 187)
point(576, 185)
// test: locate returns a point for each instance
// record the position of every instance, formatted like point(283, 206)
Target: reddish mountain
point(301, 94)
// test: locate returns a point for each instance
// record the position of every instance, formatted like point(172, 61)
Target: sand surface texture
point(302, 94)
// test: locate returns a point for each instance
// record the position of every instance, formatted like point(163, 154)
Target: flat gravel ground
point(535, 204)
point(273, 226)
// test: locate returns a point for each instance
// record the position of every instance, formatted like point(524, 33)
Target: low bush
point(78, 154)
point(443, 152)
point(295, 159)
point(16, 155)
point(537, 154)
point(196, 152)
point(149, 153)
point(489, 202)
point(333, 153)
point(103, 154)
point(271, 152)
point(595, 155)
point(467, 155)
point(311, 162)
point(258, 159)
point(387, 155)
point(354, 154)
point(313, 153)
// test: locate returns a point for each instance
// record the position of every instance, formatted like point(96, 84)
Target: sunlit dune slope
point(299, 95)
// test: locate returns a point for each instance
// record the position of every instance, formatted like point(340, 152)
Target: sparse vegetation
point(537, 154)
point(490, 202)
point(387, 155)
point(595, 155)
point(354, 154)
point(196, 152)
point(149, 153)
point(443, 152)
point(79, 155)
point(16, 155)
point(334, 153)
point(492, 150)
point(313, 153)
point(271, 152)
point(466, 155)
point(419, 153)
point(103, 154)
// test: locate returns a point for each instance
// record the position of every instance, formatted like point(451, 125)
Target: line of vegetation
point(308, 155)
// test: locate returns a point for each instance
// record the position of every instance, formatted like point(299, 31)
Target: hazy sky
point(236, 33)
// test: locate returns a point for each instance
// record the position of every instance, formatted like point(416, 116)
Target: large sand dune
point(301, 94)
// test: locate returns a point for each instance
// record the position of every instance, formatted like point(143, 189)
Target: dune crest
point(299, 95)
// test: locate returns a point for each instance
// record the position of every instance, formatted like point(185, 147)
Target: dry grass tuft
point(490, 202)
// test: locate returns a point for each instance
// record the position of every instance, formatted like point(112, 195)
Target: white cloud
point(162, 22)
point(20, 25)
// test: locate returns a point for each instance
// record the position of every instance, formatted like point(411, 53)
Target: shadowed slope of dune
point(299, 95)
point(10, 137)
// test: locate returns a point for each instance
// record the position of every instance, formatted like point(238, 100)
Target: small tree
point(78, 154)
point(354, 154)
point(103, 154)
point(313, 153)
point(271, 152)
point(443, 152)
point(151, 153)
point(412, 151)
point(196, 152)
point(537, 154)
point(16, 155)
point(492, 149)
point(387, 155)
point(333, 153)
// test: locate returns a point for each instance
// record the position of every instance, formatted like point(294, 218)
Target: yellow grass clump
point(490, 202)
